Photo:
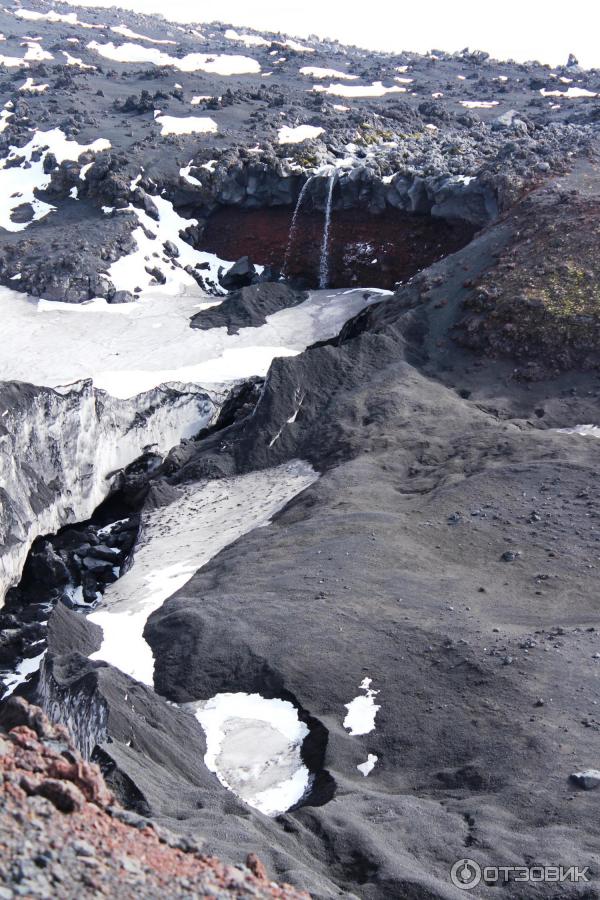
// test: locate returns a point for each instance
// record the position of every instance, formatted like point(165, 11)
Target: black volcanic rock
point(248, 307)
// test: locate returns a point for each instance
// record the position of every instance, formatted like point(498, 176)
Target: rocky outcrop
point(75, 839)
point(248, 307)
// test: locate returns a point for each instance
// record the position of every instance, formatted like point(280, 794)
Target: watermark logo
point(466, 874)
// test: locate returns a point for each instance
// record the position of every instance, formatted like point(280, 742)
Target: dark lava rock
point(248, 307)
point(241, 273)
point(588, 780)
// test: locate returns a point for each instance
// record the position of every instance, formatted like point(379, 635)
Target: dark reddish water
point(365, 250)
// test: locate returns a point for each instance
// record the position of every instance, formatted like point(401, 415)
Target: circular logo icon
point(465, 874)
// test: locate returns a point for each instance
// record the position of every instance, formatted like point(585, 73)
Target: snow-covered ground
point(175, 542)
point(129, 348)
point(253, 746)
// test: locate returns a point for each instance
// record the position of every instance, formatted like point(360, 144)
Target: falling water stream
point(324, 264)
point(294, 225)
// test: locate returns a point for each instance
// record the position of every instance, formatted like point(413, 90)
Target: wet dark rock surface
point(448, 551)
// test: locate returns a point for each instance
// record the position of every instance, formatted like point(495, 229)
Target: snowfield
point(149, 343)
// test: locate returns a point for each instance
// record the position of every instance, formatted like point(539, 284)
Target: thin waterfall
point(294, 225)
point(324, 263)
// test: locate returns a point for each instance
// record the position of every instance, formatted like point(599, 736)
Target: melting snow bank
point(149, 343)
point(253, 746)
point(59, 451)
point(177, 540)
point(360, 718)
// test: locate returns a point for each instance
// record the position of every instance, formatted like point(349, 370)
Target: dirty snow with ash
point(359, 90)
point(177, 540)
point(19, 183)
point(253, 745)
point(369, 764)
point(217, 64)
point(150, 342)
point(295, 135)
point(360, 718)
point(186, 124)
point(316, 72)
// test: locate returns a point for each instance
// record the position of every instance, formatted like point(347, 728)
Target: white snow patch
point(218, 64)
point(18, 184)
point(340, 108)
point(130, 272)
point(65, 18)
point(187, 124)
point(25, 668)
point(367, 767)
point(253, 746)
point(316, 72)
point(12, 62)
point(124, 31)
point(291, 135)
point(299, 48)
point(175, 542)
point(35, 52)
point(199, 98)
point(249, 40)
point(75, 61)
point(185, 174)
point(5, 115)
point(571, 93)
point(33, 88)
point(359, 90)
point(479, 104)
point(583, 430)
point(403, 80)
point(360, 718)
